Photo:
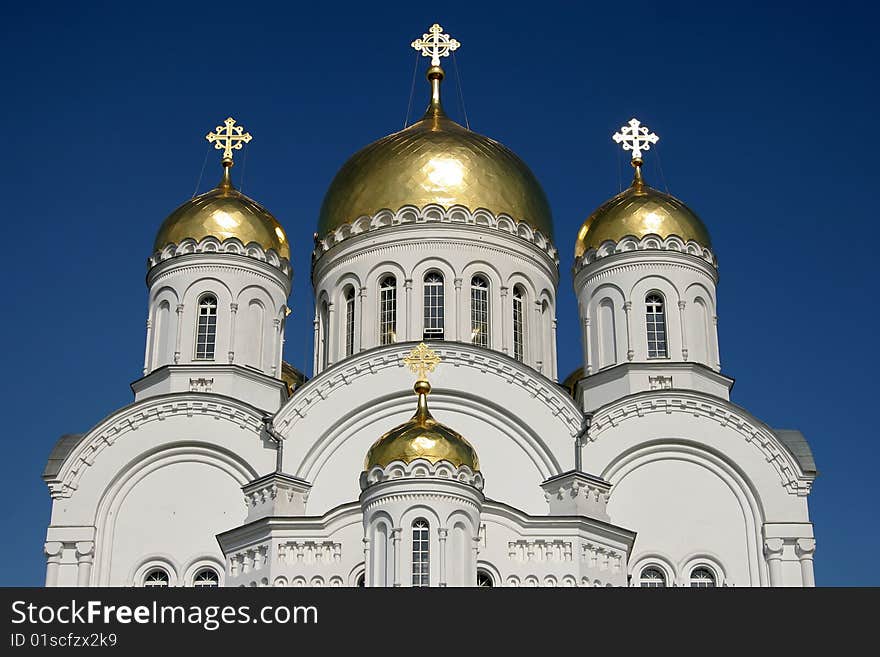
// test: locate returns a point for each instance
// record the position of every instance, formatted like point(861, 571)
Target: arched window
point(480, 311)
point(361, 580)
point(206, 578)
point(433, 306)
point(484, 578)
point(519, 323)
point(420, 553)
point(349, 321)
point(156, 578)
point(324, 329)
point(702, 578)
point(206, 331)
point(656, 321)
point(387, 310)
point(652, 578)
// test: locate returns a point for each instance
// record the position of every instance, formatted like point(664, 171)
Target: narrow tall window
point(433, 307)
point(420, 553)
point(324, 329)
point(656, 322)
point(702, 578)
point(652, 578)
point(388, 310)
point(156, 578)
point(206, 332)
point(206, 578)
point(519, 337)
point(349, 321)
point(480, 311)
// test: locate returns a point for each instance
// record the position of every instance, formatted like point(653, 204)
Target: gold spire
point(422, 437)
point(435, 44)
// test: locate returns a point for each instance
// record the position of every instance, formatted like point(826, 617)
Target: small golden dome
point(435, 160)
point(422, 438)
point(638, 211)
point(224, 212)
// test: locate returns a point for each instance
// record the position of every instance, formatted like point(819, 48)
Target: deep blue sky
point(767, 122)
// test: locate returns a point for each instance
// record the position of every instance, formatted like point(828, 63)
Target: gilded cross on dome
point(435, 44)
point(422, 360)
point(635, 137)
point(229, 137)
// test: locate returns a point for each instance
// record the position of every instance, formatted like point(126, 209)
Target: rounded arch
point(164, 562)
point(197, 564)
point(718, 465)
point(139, 468)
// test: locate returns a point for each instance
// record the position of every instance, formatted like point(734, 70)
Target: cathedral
point(437, 443)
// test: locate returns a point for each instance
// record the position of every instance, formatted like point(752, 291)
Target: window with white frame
point(206, 329)
point(656, 322)
point(156, 578)
point(324, 329)
point(703, 578)
point(387, 310)
point(349, 321)
point(433, 327)
point(519, 324)
point(652, 578)
point(420, 553)
point(206, 578)
point(480, 311)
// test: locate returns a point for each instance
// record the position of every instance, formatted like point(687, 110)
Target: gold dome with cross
point(435, 161)
point(224, 212)
point(639, 210)
point(422, 437)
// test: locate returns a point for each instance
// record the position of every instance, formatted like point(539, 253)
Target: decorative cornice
point(421, 469)
point(647, 243)
point(133, 417)
point(369, 362)
point(606, 269)
point(210, 244)
point(724, 413)
point(457, 214)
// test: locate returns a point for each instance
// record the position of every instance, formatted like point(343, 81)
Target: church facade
point(436, 443)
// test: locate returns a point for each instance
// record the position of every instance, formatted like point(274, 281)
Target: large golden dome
point(435, 160)
point(422, 437)
point(224, 212)
point(638, 211)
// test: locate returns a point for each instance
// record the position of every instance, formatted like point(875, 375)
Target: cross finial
point(635, 137)
point(228, 137)
point(435, 44)
point(422, 360)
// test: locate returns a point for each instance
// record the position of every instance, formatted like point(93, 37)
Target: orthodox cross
point(229, 138)
point(422, 360)
point(435, 44)
point(635, 137)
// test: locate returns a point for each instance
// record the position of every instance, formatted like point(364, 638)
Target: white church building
point(435, 264)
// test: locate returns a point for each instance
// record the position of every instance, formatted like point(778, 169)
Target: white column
point(396, 556)
point(553, 363)
point(538, 338)
point(773, 553)
point(317, 342)
point(276, 346)
point(330, 333)
point(148, 349)
point(178, 332)
point(52, 550)
point(627, 307)
point(684, 346)
point(458, 319)
point(804, 548)
point(233, 313)
point(505, 315)
point(588, 355)
point(717, 347)
point(442, 533)
point(368, 566)
point(471, 572)
point(409, 327)
point(360, 319)
point(85, 552)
